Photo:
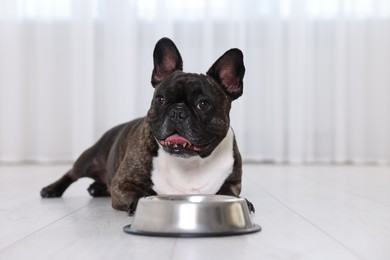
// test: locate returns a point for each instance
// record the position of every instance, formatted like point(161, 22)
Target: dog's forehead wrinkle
point(186, 79)
point(183, 87)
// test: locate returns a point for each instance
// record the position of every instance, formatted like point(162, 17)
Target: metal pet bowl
point(191, 216)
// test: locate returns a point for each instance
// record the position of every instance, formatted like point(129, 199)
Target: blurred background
point(316, 89)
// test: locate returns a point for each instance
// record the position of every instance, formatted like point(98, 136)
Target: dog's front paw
point(250, 206)
point(131, 208)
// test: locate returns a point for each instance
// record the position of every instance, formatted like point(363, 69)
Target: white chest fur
point(195, 175)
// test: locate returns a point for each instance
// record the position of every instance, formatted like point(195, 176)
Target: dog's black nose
point(178, 114)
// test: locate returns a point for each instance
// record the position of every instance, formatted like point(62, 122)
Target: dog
point(184, 145)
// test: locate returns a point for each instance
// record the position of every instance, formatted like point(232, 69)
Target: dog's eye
point(160, 100)
point(203, 105)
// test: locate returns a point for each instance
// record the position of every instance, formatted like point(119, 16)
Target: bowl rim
point(186, 198)
point(253, 229)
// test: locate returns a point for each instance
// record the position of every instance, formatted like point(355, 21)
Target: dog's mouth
point(176, 141)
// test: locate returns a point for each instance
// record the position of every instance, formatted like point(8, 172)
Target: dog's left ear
point(229, 71)
point(166, 59)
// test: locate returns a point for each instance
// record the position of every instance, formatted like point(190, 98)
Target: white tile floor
point(306, 212)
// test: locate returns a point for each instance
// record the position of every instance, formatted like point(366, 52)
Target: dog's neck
point(194, 175)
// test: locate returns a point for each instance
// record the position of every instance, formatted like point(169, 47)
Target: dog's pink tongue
point(177, 139)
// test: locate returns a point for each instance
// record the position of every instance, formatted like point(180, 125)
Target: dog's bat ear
point(229, 72)
point(166, 59)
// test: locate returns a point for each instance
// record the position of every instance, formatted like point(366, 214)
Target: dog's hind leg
point(89, 164)
point(98, 189)
point(57, 188)
point(92, 163)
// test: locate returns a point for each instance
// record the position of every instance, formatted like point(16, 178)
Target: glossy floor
point(306, 212)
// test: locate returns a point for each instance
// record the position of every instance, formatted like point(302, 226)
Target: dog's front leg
point(129, 184)
point(233, 188)
point(125, 195)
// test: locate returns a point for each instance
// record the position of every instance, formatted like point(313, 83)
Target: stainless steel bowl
point(191, 216)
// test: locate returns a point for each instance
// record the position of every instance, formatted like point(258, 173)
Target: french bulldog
point(184, 145)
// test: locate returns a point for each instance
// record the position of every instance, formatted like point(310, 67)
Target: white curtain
point(316, 89)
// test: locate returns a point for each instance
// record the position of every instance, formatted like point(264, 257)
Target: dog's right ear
point(166, 59)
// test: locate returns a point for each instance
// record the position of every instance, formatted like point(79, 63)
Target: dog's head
point(189, 114)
